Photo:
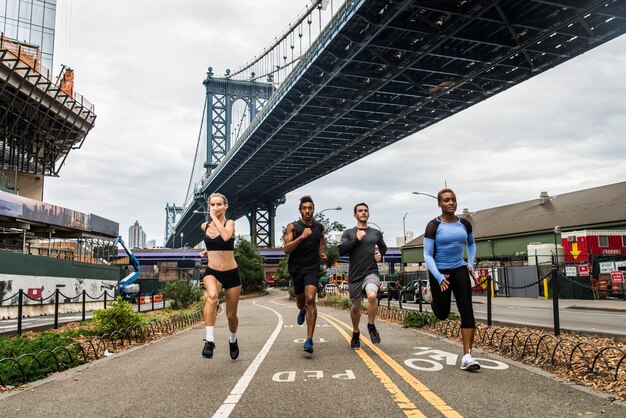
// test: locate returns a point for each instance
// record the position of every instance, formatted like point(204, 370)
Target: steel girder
point(386, 70)
point(39, 123)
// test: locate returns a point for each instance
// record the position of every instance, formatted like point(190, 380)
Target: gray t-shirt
point(361, 253)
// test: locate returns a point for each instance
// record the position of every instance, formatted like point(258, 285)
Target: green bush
point(16, 346)
point(182, 294)
point(339, 302)
point(119, 316)
point(419, 319)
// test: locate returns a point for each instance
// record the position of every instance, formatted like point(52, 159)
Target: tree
point(250, 264)
point(332, 250)
point(282, 272)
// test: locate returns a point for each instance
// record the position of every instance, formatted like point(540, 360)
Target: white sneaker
point(468, 363)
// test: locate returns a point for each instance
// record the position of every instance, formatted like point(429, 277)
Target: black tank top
point(218, 243)
point(306, 256)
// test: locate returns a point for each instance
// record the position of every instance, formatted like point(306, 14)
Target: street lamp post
point(324, 210)
point(382, 233)
point(404, 229)
point(555, 284)
point(381, 230)
point(181, 239)
point(425, 194)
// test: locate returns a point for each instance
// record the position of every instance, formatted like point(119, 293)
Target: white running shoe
point(468, 363)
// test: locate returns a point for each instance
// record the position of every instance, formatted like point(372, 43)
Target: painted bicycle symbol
point(431, 360)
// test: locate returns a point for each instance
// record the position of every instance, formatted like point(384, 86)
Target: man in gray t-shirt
point(360, 243)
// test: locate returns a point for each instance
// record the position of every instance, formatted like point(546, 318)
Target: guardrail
point(104, 297)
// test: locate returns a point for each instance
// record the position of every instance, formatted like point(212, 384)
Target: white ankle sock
point(233, 337)
point(209, 334)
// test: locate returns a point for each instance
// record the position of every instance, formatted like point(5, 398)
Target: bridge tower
point(171, 215)
point(222, 94)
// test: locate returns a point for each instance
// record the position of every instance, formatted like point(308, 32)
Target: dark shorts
point(302, 279)
point(228, 278)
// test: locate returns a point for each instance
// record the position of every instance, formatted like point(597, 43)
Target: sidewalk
point(601, 318)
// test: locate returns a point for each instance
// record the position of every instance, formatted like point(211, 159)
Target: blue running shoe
point(301, 316)
point(308, 346)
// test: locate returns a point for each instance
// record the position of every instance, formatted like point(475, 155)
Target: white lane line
point(241, 386)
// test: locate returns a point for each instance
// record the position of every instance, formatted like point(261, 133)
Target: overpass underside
point(384, 70)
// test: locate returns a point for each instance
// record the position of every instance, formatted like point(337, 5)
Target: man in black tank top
point(306, 246)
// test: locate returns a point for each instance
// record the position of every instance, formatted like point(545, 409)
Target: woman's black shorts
point(228, 278)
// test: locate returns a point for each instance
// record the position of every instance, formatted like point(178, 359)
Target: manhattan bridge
point(349, 77)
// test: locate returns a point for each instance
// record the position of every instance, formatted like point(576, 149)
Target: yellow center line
point(403, 402)
point(419, 387)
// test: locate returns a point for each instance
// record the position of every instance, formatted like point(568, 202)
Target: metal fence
point(24, 300)
point(32, 366)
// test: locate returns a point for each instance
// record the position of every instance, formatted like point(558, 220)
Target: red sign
point(617, 277)
point(583, 270)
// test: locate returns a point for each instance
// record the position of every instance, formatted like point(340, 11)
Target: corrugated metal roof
point(584, 208)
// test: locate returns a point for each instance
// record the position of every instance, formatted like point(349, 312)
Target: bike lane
point(424, 370)
point(333, 381)
point(429, 365)
point(409, 374)
point(167, 377)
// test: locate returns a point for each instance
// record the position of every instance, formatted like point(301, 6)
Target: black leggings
point(461, 287)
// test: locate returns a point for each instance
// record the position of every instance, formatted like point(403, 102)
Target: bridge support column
point(222, 94)
point(262, 226)
point(262, 218)
point(171, 217)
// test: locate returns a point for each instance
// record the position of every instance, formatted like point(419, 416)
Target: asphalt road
point(408, 374)
point(537, 313)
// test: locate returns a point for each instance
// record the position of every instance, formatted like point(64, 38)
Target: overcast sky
point(142, 64)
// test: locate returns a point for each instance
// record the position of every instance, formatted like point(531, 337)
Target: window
point(603, 241)
point(623, 240)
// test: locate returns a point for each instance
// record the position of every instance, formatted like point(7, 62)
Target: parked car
point(411, 292)
point(389, 289)
point(343, 287)
point(330, 289)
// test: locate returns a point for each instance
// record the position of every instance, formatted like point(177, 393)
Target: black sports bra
point(218, 243)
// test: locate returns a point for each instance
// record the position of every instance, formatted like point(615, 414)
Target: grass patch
point(339, 302)
point(40, 351)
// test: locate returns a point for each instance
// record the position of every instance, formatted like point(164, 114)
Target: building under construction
point(42, 119)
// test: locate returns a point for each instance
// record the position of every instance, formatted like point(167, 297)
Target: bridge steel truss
point(222, 93)
point(383, 70)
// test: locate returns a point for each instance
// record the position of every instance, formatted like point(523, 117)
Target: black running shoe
point(374, 335)
point(356, 342)
point(207, 351)
point(234, 350)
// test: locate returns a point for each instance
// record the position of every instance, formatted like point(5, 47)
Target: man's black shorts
point(302, 279)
